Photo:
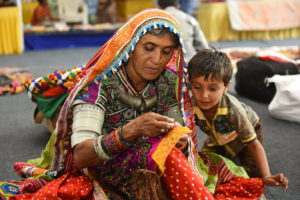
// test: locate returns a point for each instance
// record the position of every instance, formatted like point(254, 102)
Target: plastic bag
point(286, 102)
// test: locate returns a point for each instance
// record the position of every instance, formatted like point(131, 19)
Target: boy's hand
point(182, 143)
point(276, 180)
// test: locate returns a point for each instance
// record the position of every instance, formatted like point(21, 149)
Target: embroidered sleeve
point(94, 93)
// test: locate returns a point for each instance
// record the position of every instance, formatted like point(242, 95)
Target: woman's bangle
point(98, 147)
point(122, 138)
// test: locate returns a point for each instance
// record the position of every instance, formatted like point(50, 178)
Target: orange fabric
point(166, 145)
point(121, 38)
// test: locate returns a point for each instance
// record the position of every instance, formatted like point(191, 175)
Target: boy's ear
point(227, 86)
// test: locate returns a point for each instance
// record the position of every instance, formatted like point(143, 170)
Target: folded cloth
point(12, 80)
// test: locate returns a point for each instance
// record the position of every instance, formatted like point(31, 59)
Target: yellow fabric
point(27, 10)
point(127, 8)
point(166, 144)
point(214, 21)
point(10, 31)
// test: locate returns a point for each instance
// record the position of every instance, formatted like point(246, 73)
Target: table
point(71, 39)
point(214, 21)
point(10, 31)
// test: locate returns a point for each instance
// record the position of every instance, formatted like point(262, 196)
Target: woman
point(120, 124)
point(119, 109)
point(42, 14)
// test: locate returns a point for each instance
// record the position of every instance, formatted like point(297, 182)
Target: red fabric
point(54, 91)
point(240, 188)
point(70, 186)
point(32, 185)
point(182, 181)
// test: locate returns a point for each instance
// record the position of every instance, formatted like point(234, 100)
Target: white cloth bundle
point(286, 102)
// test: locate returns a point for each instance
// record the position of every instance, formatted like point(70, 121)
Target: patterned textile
point(69, 186)
point(105, 95)
point(227, 180)
point(12, 80)
point(182, 181)
point(52, 84)
point(9, 188)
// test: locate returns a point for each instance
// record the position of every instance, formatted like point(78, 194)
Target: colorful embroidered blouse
point(232, 126)
point(117, 113)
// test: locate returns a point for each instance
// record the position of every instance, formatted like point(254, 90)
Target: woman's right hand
point(149, 124)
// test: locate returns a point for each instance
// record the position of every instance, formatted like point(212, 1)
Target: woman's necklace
point(139, 103)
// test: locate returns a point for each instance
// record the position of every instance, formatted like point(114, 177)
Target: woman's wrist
point(123, 141)
point(128, 134)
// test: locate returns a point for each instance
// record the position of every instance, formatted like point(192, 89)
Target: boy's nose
point(204, 94)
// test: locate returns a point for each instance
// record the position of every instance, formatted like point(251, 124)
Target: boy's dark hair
point(165, 3)
point(212, 64)
point(41, 1)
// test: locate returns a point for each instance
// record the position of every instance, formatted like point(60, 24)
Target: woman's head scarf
point(107, 60)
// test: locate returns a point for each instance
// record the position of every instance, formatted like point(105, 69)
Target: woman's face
point(149, 58)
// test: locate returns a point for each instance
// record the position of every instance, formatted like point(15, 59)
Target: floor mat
point(12, 80)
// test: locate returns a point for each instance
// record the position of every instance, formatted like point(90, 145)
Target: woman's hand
point(149, 124)
point(276, 180)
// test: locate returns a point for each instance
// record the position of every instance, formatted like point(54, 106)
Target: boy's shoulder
point(236, 106)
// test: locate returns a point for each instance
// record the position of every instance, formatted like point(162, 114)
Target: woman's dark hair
point(212, 64)
point(165, 31)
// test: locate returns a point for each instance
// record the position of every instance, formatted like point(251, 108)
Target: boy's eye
point(196, 87)
point(213, 89)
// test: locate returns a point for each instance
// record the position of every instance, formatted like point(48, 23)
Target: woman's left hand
point(276, 180)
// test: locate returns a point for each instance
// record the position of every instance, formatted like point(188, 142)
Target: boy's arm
point(259, 155)
point(260, 158)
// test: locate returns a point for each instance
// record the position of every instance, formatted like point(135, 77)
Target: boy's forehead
point(206, 78)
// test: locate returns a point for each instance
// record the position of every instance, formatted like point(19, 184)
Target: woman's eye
point(148, 48)
point(167, 51)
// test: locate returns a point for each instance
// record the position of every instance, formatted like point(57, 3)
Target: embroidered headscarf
point(107, 60)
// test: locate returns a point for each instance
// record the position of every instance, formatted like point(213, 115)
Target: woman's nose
point(156, 57)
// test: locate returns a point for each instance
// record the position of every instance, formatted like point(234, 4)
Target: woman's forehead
point(158, 40)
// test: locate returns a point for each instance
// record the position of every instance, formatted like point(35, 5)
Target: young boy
point(233, 129)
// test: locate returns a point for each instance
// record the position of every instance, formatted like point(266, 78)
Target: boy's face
point(207, 93)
